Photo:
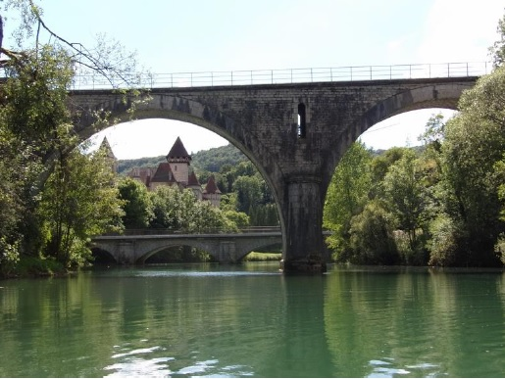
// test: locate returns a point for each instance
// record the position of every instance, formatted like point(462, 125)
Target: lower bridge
point(132, 249)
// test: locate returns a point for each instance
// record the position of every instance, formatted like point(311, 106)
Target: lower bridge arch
point(223, 248)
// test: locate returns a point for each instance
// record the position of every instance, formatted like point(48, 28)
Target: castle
point(176, 172)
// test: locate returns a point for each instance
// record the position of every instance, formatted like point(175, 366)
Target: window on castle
point(302, 126)
point(175, 168)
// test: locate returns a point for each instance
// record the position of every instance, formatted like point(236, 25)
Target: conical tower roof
point(211, 187)
point(163, 174)
point(193, 180)
point(105, 146)
point(178, 153)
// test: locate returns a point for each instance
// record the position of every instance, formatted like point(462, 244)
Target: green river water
point(251, 321)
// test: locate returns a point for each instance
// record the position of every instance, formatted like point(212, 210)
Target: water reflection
point(417, 323)
point(183, 321)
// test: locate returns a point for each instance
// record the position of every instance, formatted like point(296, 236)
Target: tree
point(249, 192)
point(166, 208)
point(11, 204)
point(204, 218)
point(347, 195)
point(474, 143)
point(52, 188)
point(79, 200)
point(137, 205)
point(371, 237)
point(240, 219)
point(497, 51)
point(404, 194)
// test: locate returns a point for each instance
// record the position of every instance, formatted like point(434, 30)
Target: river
point(251, 321)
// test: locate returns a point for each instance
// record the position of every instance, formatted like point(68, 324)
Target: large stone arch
point(445, 95)
point(172, 107)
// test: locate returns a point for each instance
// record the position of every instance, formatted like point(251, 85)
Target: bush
point(372, 238)
point(447, 239)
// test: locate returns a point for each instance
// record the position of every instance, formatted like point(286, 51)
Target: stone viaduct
point(295, 134)
point(225, 248)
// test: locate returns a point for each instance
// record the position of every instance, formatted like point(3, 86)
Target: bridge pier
point(304, 250)
point(125, 254)
point(227, 252)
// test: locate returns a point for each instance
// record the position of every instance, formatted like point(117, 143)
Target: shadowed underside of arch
point(263, 122)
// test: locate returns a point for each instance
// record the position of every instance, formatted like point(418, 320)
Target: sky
point(226, 35)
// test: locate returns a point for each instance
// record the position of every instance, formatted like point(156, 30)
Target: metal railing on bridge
point(292, 75)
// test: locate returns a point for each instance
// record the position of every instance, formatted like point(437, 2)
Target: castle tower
point(212, 192)
point(179, 161)
point(194, 184)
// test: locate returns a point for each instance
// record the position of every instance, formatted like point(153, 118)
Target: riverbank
point(33, 267)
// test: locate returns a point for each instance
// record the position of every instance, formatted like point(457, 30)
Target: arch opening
point(302, 121)
point(102, 257)
point(355, 195)
point(230, 163)
point(179, 254)
point(401, 130)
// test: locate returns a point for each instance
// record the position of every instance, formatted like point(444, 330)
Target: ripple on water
point(210, 369)
point(139, 367)
point(385, 369)
point(136, 363)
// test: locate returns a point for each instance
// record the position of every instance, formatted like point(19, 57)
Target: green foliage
point(249, 192)
point(213, 160)
point(404, 196)
point(497, 51)
point(124, 166)
point(40, 116)
point(262, 257)
point(448, 241)
point(79, 200)
point(12, 184)
point(435, 131)
point(136, 204)
point(37, 266)
point(372, 240)
point(53, 198)
point(347, 194)
point(240, 219)
point(179, 210)
point(474, 143)
point(264, 215)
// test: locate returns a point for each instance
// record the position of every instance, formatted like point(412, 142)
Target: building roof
point(163, 174)
point(178, 153)
point(211, 187)
point(105, 146)
point(193, 180)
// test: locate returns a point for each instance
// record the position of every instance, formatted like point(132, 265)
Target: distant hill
point(213, 159)
point(206, 160)
point(125, 165)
